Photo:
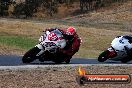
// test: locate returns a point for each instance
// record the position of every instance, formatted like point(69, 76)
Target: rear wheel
point(67, 61)
point(58, 62)
point(30, 55)
point(126, 59)
point(103, 56)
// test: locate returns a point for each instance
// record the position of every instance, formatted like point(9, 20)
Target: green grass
point(18, 41)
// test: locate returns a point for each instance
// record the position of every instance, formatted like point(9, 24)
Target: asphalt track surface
point(7, 62)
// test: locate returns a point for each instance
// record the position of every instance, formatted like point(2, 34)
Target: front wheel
point(103, 56)
point(30, 55)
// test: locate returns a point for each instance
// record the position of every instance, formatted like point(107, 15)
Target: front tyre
point(30, 55)
point(103, 56)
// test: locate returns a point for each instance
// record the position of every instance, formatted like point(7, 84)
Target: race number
point(52, 37)
point(121, 41)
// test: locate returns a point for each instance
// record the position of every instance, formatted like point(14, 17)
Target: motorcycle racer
point(72, 41)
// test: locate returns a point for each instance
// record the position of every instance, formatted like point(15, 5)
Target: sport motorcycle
point(48, 49)
point(117, 51)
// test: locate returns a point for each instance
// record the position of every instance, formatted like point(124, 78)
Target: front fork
point(41, 48)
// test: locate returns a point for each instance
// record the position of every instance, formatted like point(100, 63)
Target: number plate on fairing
point(49, 44)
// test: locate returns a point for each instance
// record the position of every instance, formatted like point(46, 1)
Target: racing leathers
point(72, 43)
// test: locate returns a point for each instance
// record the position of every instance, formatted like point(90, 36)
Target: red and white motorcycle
point(117, 51)
point(48, 49)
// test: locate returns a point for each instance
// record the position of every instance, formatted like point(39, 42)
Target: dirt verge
point(58, 77)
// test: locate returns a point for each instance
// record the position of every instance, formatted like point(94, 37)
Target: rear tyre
point(58, 62)
point(67, 61)
point(126, 59)
point(30, 55)
point(103, 56)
